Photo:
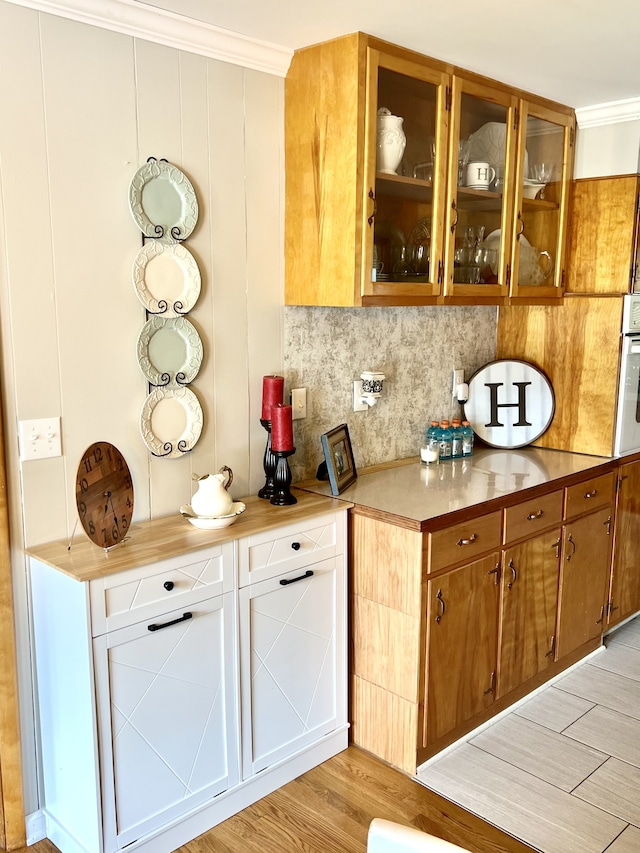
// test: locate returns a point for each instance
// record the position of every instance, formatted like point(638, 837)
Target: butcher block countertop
point(423, 497)
point(172, 535)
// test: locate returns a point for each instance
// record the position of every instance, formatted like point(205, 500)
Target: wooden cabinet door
point(462, 637)
point(603, 235)
point(624, 596)
point(167, 714)
point(584, 575)
point(529, 606)
point(292, 662)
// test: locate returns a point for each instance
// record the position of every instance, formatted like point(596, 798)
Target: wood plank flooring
point(562, 771)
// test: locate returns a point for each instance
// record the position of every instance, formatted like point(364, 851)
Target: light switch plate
point(40, 438)
point(298, 403)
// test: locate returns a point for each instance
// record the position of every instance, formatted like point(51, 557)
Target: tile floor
point(562, 771)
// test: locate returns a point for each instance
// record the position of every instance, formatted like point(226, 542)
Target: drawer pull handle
point(573, 545)
point(295, 546)
point(468, 541)
point(168, 585)
point(441, 606)
point(287, 581)
point(533, 515)
point(591, 494)
point(183, 618)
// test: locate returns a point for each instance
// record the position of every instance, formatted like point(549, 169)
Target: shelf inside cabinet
point(399, 186)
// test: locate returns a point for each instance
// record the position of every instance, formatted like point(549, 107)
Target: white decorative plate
point(169, 351)
point(205, 523)
point(162, 201)
point(171, 421)
point(166, 278)
point(487, 145)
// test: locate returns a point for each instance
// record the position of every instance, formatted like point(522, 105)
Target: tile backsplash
point(326, 349)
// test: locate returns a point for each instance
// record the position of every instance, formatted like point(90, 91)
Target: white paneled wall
point(81, 109)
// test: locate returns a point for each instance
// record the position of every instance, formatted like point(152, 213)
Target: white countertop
point(418, 492)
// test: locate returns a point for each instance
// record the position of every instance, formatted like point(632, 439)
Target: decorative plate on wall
point(169, 351)
point(162, 201)
point(166, 278)
point(171, 421)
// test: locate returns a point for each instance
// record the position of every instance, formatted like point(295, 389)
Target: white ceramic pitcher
point(212, 499)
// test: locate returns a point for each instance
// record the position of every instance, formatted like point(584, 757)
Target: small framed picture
point(339, 458)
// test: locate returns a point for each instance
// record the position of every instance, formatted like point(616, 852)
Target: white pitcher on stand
point(391, 142)
point(212, 499)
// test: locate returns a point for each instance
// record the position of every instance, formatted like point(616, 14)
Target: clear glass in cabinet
point(482, 163)
point(544, 166)
point(407, 131)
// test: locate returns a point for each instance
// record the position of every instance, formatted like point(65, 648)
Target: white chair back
point(385, 836)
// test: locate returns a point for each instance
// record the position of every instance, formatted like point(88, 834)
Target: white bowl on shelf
point(204, 522)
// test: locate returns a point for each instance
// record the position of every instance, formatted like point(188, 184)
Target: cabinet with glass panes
point(409, 182)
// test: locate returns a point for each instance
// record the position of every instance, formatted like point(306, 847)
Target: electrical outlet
point(298, 403)
point(457, 379)
point(358, 404)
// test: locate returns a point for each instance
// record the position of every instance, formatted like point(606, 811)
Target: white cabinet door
point(292, 638)
point(166, 698)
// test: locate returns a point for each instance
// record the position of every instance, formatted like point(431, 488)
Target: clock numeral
point(84, 485)
point(124, 522)
point(87, 466)
point(82, 507)
point(128, 501)
point(120, 463)
point(127, 481)
point(97, 455)
point(115, 533)
point(92, 527)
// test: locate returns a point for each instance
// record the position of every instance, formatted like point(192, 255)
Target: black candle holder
point(282, 495)
point(269, 463)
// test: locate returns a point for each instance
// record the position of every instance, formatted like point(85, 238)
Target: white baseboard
point(36, 827)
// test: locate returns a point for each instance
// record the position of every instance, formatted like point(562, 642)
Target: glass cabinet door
point(545, 160)
point(405, 174)
point(482, 159)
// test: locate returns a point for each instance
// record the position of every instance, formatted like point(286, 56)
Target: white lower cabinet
point(292, 661)
point(166, 714)
point(169, 698)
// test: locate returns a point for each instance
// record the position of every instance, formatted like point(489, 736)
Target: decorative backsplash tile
point(326, 349)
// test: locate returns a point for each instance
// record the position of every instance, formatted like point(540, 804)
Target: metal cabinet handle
point(168, 585)
point(573, 545)
point(468, 541)
point(591, 494)
point(183, 618)
point(441, 605)
point(372, 196)
point(295, 546)
point(533, 515)
point(607, 524)
point(556, 545)
point(492, 684)
point(287, 581)
point(514, 575)
point(601, 619)
point(455, 221)
point(552, 649)
point(521, 221)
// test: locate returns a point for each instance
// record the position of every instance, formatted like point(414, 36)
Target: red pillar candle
point(272, 394)
point(281, 428)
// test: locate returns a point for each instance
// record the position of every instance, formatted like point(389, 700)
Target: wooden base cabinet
point(462, 618)
point(169, 698)
point(450, 626)
point(624, 591)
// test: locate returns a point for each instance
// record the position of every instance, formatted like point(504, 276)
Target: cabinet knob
point(168, 585)
point(295, 546)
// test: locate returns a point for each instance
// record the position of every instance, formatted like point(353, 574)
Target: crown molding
point(611, 113)
point(141, 20)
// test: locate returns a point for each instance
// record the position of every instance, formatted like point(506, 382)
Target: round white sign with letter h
point(511, 403)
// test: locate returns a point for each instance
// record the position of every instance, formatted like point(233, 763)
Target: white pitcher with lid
point(212, 499)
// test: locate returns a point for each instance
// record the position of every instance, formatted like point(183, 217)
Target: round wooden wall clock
point(104, 494)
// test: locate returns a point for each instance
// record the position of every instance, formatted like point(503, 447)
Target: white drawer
point(143, 593)
point(293, 546)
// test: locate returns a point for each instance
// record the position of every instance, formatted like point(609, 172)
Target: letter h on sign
point(521, 405)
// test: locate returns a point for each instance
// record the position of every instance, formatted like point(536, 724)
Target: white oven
point(627, 437)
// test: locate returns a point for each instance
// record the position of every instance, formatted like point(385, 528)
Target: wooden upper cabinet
point(603, 241)
point(359, 231)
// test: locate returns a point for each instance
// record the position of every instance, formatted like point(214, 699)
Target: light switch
point(40, 439)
